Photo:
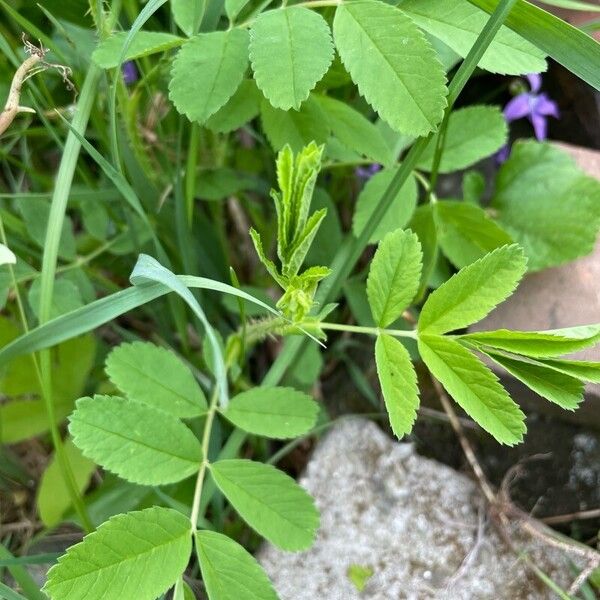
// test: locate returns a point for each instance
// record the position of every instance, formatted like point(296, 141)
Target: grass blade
point(567, 45)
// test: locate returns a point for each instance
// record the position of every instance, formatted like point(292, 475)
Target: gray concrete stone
point(420, 526)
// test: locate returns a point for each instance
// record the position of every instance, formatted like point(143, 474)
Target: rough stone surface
point(419, 525)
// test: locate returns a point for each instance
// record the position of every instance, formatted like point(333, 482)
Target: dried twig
point(32, 65)
point(503, 507)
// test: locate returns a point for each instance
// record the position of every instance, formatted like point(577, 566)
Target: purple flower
point(533, 105)
point(130, 74)
point(367, 171)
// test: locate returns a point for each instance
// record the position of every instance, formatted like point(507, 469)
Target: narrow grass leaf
point(458, 26)
point(104, 310)
point(473, 133)
point(567, 45)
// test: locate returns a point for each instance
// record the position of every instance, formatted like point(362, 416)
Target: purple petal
point(518, 107)
point(502, 155)
point(130, 74)
point(544, 106)
point(368, 171)
point(540, 126)
point(535, 82)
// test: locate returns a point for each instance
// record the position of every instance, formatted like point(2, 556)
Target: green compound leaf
point(144, 43)
point(135, 555)
point(270, 502)
point(474, 291)
point(297, 128)
point(53, 498)
point(474, 387)
point(290, 51)
point(398, 214)
point(547, 204)
point(207, 71)
point(242, 107)
point(394, 276)
point(135, 441)
point(355, 131)
point(472, 134)
point(398, 381)
point(274, 412)
point(458, 24)
point(393, 64)
point(538, 344)
point(229, 572)
point(157, 377)
point(561, 389)
point(466, 233)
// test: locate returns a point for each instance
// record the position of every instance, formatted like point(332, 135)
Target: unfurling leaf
point(270, 501)
point(394, 276)
point(398, 383)
point(135, 555)
point(229, 572)
point(137, 442)
point(157, 377)
point(275, 412)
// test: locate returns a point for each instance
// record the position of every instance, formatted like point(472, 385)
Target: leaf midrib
point(386, 59)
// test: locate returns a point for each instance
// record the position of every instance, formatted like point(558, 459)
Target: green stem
point(439, 151)
point(210, 417)
point(60, 197)
point(408, 333)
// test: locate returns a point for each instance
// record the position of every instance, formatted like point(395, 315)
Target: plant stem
point(60, 197)
point(369, 330)
point(210, 416)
